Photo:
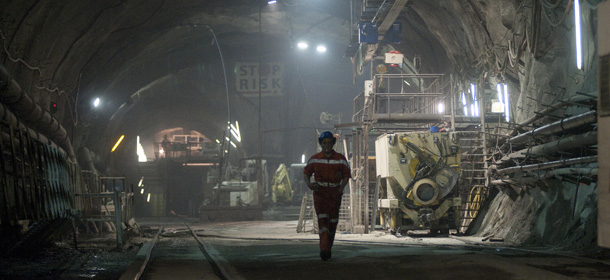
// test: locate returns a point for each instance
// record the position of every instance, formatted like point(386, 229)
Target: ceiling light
point(321, 48)
point(271, 2)
point(96, 102)
point(302, 45)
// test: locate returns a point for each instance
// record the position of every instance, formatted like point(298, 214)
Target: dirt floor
point(98, 258)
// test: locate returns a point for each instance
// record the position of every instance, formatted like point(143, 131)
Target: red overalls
point(328, 173)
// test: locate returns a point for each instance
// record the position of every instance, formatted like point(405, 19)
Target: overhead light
point(148, 198)
point(96, 102)
point(271, 2)
point(321, 48)
point(302, 45)
point(303, 158)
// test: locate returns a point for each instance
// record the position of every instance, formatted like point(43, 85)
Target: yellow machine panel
point(419, 172)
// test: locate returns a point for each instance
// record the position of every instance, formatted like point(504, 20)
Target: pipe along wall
point(38, 178)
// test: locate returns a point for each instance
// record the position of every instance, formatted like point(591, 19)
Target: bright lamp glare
point(271, 2)
point(506, 103)
point(441, 108)
point(140, 151)
point(303, 158)
point(117, 143)
point(578, 35)
point(96, 102)
point(235, 131)
point(231, 142)
point(302, 45)
point(464, 103)
point(499, 92)
point(475, 106)
point(321, 48)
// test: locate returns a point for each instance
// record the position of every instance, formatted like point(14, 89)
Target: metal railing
point(106, 201)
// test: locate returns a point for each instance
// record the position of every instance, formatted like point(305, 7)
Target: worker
point(331, 173)
point(446, 127)
point(166, 145)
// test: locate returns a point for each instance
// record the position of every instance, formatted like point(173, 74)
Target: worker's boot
point(325, 255)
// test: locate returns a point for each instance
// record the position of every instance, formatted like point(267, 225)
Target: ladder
point(307, 213)
point(473, 168)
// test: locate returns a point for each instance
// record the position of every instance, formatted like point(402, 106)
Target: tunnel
point(477, 121)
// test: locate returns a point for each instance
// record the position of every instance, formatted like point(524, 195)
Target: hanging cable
point(220, 176)
point(565, 13)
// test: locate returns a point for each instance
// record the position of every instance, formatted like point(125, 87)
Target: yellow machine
point(419, 172)
point(281, 189)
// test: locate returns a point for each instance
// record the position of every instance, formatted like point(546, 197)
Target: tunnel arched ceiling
point(145, 58)
point(156, 64)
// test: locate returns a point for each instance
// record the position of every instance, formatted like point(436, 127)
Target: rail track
point(176, 253)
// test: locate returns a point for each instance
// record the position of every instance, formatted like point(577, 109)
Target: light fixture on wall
point(441, 107)
point(578, 34)
point(234, 129)
point(117, 143)
point(502, 91)
point(140, 151)
point(230, 142)
point(506, 103)
point(464, 103)
point(475, 105)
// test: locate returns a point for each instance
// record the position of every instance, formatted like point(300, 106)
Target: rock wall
point(555, 213)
